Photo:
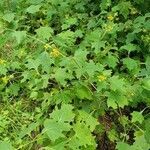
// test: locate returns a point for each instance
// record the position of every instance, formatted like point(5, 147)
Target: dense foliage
point(74, 74)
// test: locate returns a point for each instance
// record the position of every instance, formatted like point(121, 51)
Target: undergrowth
point(74, 75)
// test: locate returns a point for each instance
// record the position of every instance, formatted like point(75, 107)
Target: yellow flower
point(110, 17)
point(11, 76)
point(55, 52)
point(46, 46)
point(108, 28)
point(102, 78)
point(5, 79)
point(2, 61)
point(130, 94)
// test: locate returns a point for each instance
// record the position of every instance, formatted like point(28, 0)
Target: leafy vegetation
point(74, 74)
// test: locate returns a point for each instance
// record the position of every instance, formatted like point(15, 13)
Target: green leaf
point(5, 146)
point(88, 119)
point(147, 131)
point(35, 1)
point(91, 68)
point(137, 117)
point(123, 146)
point(33, 9)
point(54, 129)
point(19, 36)
point(9, 17)
point(140, 144)
point(61, 75)
point(44, 33)
point(129, 47)
point(34, 95)
point(45, 61)
point(65, 38)
point(3, 70)
point(83, 135)
point(147, 63)
point(116, 83)
point(146, 84)
point(69, 22)
point(130, 63)
point(83, 92)
point(116, 99)
point(111, 61)
point(33, 64)
point(13, 89)
point(59, 122)
point(123, 7)
point(64, 114)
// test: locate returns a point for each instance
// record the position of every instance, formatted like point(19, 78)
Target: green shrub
point(72, 72)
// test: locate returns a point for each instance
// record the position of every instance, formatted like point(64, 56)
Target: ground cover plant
point(74, 75)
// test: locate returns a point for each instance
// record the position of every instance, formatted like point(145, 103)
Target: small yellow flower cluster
point(47, 46)
point(2, 61)
point(5, 79)
point(55, 52)
point(130, 94)
point(108, 27)
point(102, 77)
point(110, 17)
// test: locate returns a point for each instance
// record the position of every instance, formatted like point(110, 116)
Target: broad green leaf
point(83, 134)
point(33, 95)
point(116, 99)
point(83, 92)
point(35, 1)
point(59, 122)
point(9, 17)
point(140, 144)
point(146, 84)
point(33, 9)
point(147, 131)
point(33, 64)
point(137, 117)
point(111, 61)
point(13, 89)
point(5, 146)
point(91, 68)
point(129, 47)
point(130, 63)
point(62, 76)
point(45, 61)
point(44, 33)
point(123, 7)
point(69, 22)
point(148, 64)
point(88, 119)
point(65, 38)
point(123, 146)
point(117, 83)
point(3, 69)
point(105, 4)
point(64, 114)
point(54, 129)
point(19, 36)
